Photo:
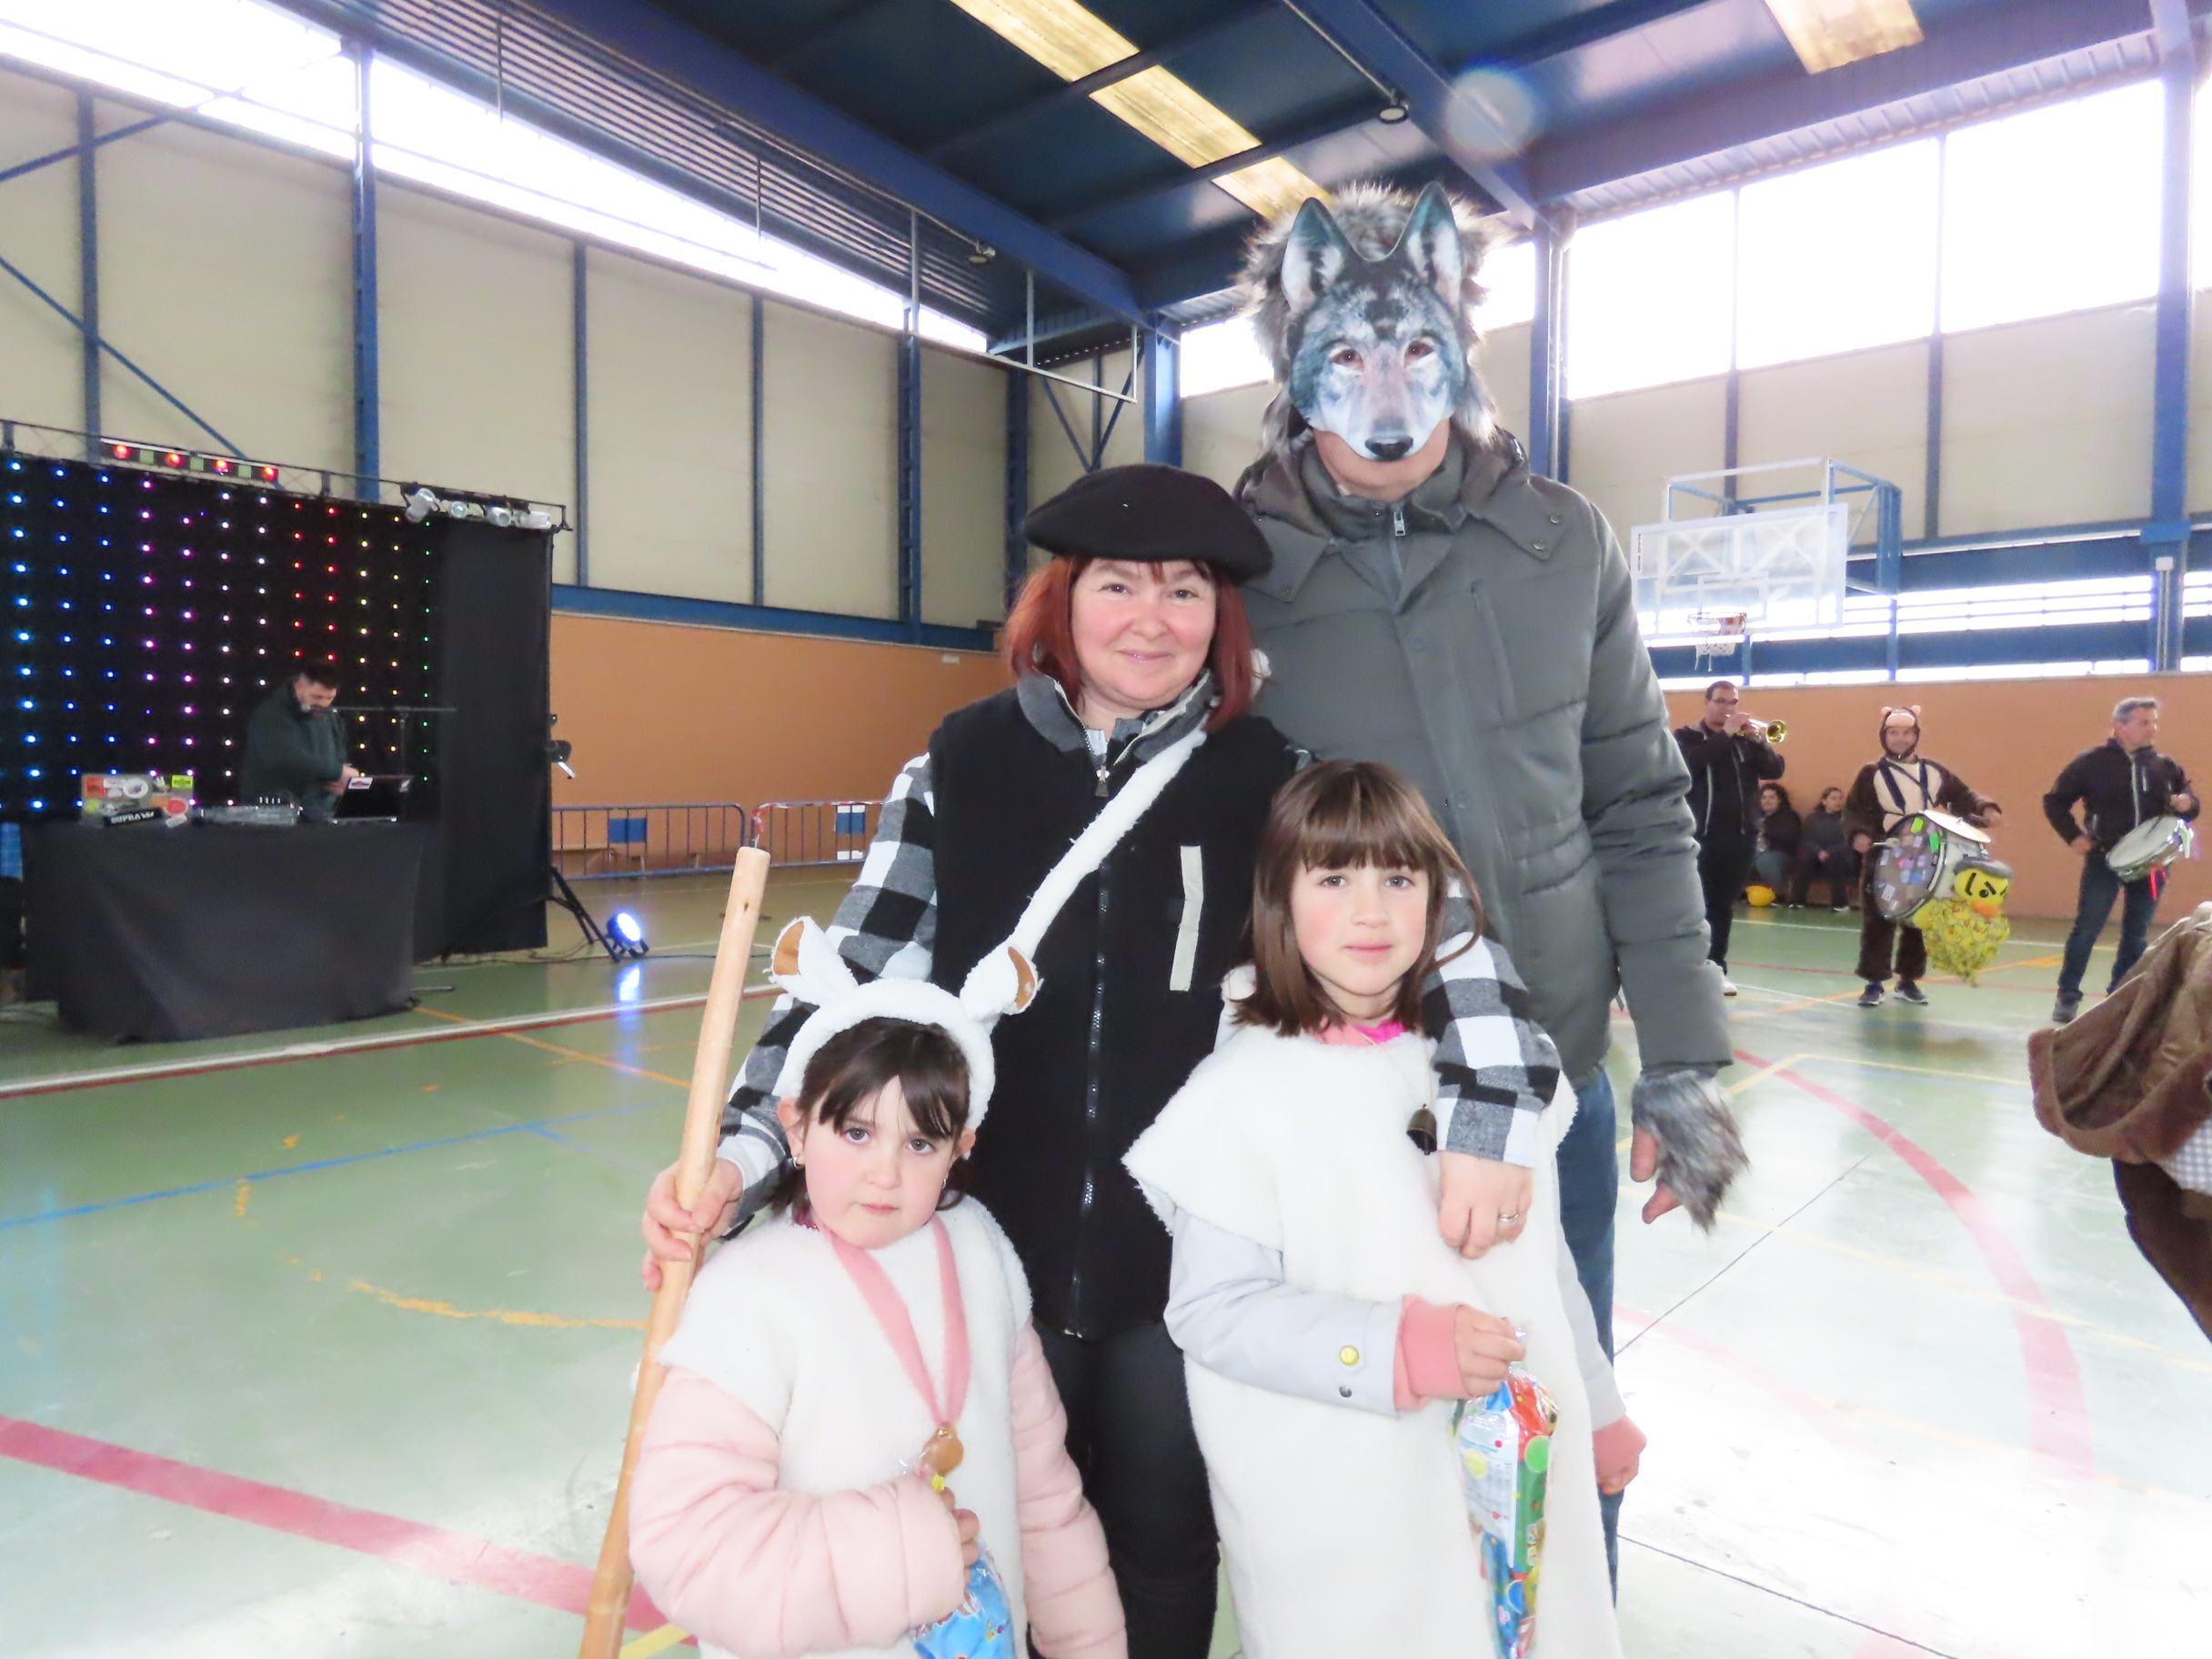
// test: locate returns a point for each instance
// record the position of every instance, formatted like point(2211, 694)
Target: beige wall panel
point(41, 378)
point(1622, 448)
point(1221, 431)
point(670, 385)
point(1053, 463)
point(2048, 422)
point(226, 273)
point(963, 491)
point(830, 402)
point(1868, 409)
point(1504, 363)
point(476, 319)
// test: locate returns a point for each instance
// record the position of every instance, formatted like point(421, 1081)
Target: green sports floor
point(321, 1342)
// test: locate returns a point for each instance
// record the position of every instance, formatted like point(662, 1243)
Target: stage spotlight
point(421, 503)
point(628, 932)
point(501, 518)
point(457, 510)
point(536, 521)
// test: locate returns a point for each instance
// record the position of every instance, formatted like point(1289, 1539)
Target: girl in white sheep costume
point(783, 1503)
point(1336, 1482)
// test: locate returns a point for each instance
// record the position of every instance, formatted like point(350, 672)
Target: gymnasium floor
point(329, 1354)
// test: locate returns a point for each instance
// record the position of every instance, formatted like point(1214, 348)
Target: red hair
point(1041, 635)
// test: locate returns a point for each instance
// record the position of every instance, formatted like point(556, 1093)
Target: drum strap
point(1894, 780)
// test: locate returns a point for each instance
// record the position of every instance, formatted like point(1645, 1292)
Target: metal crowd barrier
point(815, 831)
point(664, 839)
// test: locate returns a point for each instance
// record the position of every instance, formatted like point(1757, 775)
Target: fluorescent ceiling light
point(1828, 33)
point(1072, 41)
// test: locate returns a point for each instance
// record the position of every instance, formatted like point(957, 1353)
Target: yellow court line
point(653, 1642)
point(246, 1189)
point(565, 1053)
point(1892, 1065)
point(504, 1316)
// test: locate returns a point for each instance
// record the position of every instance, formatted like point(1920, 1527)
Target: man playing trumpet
point(1884, 794)
point(1730, 755)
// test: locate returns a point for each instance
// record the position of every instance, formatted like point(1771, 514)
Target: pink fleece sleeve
point(774, 1575)
point(1428, 1357)
point(1075, 1610)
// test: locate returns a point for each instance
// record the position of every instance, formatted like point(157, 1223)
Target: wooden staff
point(607, 1615)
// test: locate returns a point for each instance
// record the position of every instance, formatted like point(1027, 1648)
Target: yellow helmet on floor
point(1758, 897)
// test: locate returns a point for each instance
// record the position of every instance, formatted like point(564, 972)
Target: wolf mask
point(1367, 315)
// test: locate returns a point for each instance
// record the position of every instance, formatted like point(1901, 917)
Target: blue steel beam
point(1163, 400)
point(1376, 43)
point(663, 46)
point(909, 441)
point(1989, 42)
point(1017, 482)
point(88, 263)
point(580, 346)
point(1547, 349)
point(151, 385)
point(757, 429)
point(368, 445)
point(2166, 539)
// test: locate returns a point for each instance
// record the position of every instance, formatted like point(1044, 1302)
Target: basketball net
point(1721, 632)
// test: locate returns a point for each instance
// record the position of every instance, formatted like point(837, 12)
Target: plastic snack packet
point(1504, 1445)
point(981, 1627)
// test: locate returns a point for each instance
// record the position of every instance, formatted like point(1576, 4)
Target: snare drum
point(2152, 844)
point(1931, 855)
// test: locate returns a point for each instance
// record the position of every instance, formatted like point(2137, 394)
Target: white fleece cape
point(1346, 1532)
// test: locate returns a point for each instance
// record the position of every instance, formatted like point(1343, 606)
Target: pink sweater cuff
point(1428, 1358)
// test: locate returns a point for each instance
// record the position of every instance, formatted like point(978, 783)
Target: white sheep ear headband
point(1004, 981)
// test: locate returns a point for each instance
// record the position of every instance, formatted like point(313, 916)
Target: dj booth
point(159, 934)
point(437, 628)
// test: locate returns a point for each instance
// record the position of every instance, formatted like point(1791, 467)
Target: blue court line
point(537, 1127)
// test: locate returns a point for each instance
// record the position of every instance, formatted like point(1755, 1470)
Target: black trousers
point(1722, 865)
point(1837, 866)
point(1130, 1433)
point(1878, 936)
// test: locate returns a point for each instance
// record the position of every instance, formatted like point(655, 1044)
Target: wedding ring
point(1507, 1217)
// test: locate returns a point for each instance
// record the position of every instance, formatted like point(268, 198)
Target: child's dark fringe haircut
point(854, 1066)
point(1339, 815)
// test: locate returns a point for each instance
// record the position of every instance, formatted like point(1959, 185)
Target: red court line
point(453, 1556)
point(2058, 1420)
point(245, 1063)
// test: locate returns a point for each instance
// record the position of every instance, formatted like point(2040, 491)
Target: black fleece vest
point(1085, 1071)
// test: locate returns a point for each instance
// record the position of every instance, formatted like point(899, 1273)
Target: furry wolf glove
point(1700, 1152)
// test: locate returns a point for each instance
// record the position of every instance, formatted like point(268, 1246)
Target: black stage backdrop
point(144, 612)
point(496, 796)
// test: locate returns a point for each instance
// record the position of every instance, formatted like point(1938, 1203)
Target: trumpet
point(1769, 732)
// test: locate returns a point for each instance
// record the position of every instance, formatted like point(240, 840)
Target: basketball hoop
point(1720, 632)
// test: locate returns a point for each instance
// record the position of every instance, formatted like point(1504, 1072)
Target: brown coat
point(2127, 1081)
point(1867, 810)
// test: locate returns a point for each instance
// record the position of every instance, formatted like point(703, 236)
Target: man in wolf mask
point(1435, 605)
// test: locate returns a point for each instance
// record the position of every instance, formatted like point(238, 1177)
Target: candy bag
point(981, 1627)
point(1504, 1445)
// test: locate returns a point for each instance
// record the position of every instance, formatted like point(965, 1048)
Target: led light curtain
point(146, 613)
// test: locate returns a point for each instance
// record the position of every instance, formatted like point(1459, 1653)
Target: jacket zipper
point(2134, 786)
point(1397, 521)
point(1091, 1092)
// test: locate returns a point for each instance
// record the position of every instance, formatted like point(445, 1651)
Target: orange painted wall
point(2009, 739)
point(660, 712)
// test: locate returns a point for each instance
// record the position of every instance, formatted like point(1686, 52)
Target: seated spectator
point(1823, 854)
point(1779, 831)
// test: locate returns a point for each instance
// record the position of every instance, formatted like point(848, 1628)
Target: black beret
point(1154, 515)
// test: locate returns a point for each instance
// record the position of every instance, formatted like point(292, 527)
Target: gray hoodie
point(1481, 635)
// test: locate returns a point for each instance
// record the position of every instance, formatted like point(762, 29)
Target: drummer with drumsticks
point(2136, 807)
point(1887, 793)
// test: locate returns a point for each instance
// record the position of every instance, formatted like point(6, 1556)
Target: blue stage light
point(629, 929)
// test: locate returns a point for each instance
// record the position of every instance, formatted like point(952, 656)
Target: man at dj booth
point(296, 746)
